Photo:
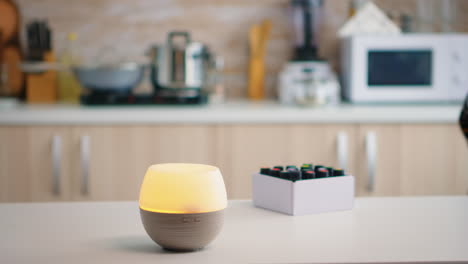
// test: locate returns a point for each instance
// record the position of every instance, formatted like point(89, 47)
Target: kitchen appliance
point(307, 79)
point(306, 20)
point(308, 83)
point(132, 99)
point(182, 205)
point(405, 68)
point(181, 67)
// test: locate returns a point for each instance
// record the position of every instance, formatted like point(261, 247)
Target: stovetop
point(139, 99)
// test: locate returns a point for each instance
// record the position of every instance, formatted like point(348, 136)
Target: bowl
point(110, 78)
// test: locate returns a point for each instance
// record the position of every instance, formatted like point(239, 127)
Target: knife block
point(42, 87)
point(303, 197)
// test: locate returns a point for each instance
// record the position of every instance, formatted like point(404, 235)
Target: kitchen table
point(376, 230)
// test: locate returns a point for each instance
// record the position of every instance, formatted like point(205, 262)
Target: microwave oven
point(405, 68)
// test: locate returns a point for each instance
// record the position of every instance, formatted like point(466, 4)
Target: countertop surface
point(232, 112)
point(376, 230)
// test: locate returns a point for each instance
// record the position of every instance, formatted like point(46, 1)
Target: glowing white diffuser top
point(181, 188)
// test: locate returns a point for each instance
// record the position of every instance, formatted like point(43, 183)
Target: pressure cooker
point(181, 63)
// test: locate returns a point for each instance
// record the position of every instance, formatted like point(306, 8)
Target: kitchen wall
point(128, 28)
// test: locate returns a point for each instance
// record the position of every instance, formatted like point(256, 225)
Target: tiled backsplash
point(130, 27)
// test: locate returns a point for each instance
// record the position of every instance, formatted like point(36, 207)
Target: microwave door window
point(411, 68)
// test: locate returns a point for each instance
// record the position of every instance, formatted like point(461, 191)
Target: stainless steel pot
point(181, 63)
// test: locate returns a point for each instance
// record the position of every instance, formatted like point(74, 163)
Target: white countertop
point(376, 230)
point(231, 112)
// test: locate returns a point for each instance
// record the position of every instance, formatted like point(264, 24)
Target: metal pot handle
point(174, 34)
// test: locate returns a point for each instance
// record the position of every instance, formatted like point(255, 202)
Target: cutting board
point(11, 57)
point(9, 21)
point(10, 53)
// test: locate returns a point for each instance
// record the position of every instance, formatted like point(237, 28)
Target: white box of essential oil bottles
point(302, 197)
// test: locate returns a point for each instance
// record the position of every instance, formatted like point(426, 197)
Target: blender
point(305, 16)
point(307, 79)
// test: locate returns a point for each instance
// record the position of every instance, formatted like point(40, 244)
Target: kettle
point(180, 63)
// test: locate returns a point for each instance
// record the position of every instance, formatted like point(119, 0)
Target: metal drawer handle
point(56, 163)
point(84, 162)
point(342, 149)
point(371, 152)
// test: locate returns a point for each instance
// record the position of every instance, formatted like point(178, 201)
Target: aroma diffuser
point(182, 205)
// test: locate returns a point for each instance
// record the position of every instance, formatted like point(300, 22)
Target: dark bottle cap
point(330, 171)
point(285, 175)
point(279, 167)
point(318, 167)
point(294, 175)
point(275, 172)
point(321, 173)
point(265, 171)
point(291, 167)
point(338, 172)
point(308, 175)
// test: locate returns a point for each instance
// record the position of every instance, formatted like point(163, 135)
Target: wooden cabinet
point(428, 159)
point(92, 162)
point(246, 148)
point(243, 149)
point(330, 145)
point(59, 163)
point(387, 160)
point(109, 162)
point(412, 160)
point(34, 164)
point(378, 160)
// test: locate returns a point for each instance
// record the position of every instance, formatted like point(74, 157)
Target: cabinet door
point(109, 162)
point(34, 164)
point(243, 149)
point(429, 160)
point(412, 160)
point(378, 160)
point(328, 145)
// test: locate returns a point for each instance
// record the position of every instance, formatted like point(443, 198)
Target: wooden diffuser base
point(182, 232)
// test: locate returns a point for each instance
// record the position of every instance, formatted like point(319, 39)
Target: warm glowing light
point(183, 188)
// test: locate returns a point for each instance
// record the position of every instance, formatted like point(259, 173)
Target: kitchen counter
point(376, 230)
point(233, 112)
